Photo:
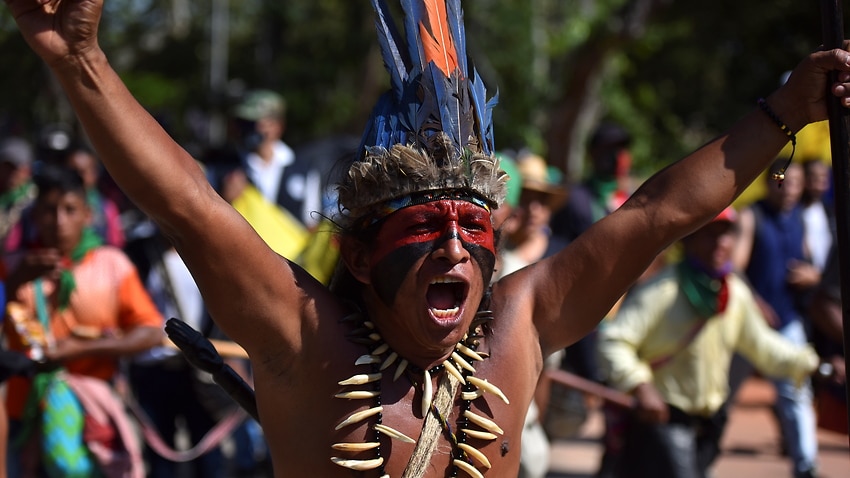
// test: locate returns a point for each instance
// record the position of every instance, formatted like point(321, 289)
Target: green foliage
point(697, 69)
point(158, 91)
point(683, 78)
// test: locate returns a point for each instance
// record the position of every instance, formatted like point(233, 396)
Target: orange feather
point(437, 41)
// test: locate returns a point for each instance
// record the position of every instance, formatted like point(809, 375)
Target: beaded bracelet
point(780, 175)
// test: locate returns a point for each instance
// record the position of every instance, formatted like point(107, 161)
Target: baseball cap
point(259, 104)
point(16, 151)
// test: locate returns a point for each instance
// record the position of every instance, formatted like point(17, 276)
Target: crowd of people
point(63, 217)
point(411, 341)
point(142, 283)
point(88, 287)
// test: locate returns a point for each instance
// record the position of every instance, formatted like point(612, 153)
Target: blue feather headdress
point(432, 132)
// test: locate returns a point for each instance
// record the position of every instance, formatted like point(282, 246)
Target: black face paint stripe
point(486, 261)
point(389, 273)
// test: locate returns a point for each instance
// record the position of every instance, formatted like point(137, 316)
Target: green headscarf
point(704, 292)
point(88, 241)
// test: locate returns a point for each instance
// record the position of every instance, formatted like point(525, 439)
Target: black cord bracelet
point(780, 175)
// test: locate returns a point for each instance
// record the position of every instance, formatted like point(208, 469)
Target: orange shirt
point(109, 299)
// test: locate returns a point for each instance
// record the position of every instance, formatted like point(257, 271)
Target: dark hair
point(53, 177)
point(610, 134)
point(809, 164)
point(219, 162)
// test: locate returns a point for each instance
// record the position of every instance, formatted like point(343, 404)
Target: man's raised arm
point(597, 268)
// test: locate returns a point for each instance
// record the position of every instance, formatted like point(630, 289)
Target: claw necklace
point(471, 426)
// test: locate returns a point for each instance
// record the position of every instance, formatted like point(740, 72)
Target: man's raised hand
point(58, 30)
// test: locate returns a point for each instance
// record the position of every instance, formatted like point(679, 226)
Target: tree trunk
point(580, 108)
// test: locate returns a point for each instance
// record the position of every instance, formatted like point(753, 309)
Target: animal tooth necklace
point(471, 426)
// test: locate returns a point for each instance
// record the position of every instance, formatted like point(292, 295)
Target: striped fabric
point(55, 414)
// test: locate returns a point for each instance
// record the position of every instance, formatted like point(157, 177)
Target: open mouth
point(445, 297)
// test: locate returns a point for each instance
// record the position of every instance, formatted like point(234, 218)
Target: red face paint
point(411, 233)
point(429, 222)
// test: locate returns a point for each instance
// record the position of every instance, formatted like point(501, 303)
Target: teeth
point(489, 388)
point(380, 349)
point(393, 433)
point(469, 352)
point(454, 371)
point(367, 359)
point(467, 468)
point(475, 454)
point(359, 416)
point(445, 280)
point(355, 446)
point(479, 434)
point(358, 465)
point(463, 363)
point(402, 366)
point(478, 393)
point(362, 378)
point(389, 361)
point(445, 313)
point(358, 394)
point(427, 393)
point(484, 423)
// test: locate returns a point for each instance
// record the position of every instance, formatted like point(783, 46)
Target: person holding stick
point(670, 345)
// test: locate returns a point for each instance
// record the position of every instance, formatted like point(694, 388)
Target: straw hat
point(539, 177)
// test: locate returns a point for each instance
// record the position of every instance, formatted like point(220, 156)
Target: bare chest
point(377, 415)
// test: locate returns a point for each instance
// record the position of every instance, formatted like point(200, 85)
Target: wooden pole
point(832, 19)
point(584, 385)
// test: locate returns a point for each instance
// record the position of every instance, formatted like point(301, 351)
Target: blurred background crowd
point(595, 105)
point(755, 291)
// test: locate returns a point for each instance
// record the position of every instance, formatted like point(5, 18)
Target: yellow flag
point(281, 231)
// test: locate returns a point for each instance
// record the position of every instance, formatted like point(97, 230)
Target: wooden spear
point(584, 385)
point(832, 20)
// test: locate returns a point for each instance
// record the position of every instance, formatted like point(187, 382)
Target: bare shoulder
point(512, 303)
point(511, 299)
point(258, 298)
point(304, 339)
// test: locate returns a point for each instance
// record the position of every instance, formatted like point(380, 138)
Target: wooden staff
point(832, 20)
point(581, 384)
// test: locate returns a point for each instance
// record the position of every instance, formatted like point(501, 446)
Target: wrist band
point(780, 176)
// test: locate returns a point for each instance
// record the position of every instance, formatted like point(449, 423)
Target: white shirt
point(266, 175)
point(818, 234)
point(175, 296)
